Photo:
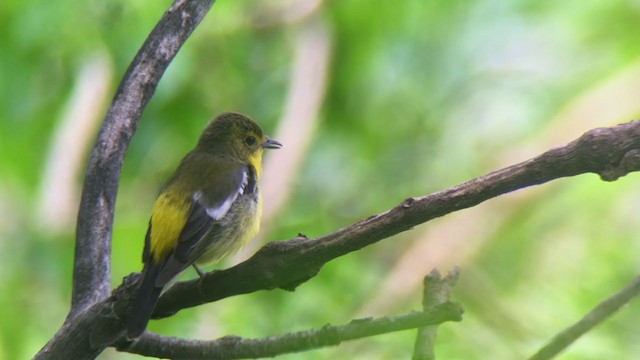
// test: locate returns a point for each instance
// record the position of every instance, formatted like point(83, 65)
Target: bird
point(208, 209)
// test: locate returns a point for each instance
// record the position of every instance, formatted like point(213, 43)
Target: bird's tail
point(148, 294)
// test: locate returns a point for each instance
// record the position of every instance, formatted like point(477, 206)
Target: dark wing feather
point(197, 226)
point(209, 205)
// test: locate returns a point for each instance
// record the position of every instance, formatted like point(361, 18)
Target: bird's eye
point(250, 140)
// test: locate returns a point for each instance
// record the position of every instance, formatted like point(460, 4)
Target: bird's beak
point(271, 144)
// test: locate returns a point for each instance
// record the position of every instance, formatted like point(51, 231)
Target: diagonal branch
point(233, 347)
point(91, 272)
point(610, 152)
point(597, 315)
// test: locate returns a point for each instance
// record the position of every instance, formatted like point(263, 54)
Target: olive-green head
point(237, 136)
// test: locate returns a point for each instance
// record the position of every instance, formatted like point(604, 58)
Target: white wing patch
point(218, 212)
point(244, 183)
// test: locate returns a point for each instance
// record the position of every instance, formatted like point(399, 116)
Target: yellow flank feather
point(169, 216)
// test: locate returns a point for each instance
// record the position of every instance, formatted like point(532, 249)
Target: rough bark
point(91, 273)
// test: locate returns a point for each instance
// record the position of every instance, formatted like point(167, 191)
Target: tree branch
point(436, 291)
point(610, 152)
point(233, 347)
point(598, 314)
point(91, 273)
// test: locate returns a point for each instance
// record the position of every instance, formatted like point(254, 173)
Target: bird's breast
point(237, 228)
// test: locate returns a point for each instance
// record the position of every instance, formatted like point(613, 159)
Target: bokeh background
point(375, 101)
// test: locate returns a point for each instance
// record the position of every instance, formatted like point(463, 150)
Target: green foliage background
point(421, 95)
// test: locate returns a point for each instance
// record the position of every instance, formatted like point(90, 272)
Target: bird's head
point(237, 136)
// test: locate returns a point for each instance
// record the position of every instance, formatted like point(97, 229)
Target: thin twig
point(233, 347)
point(597, 315)
point(436, 291)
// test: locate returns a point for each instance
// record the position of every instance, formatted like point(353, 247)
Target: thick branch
point(610, 152)
point(233, 347)
point(91, 273)
point(597, 315)
point(91, 276)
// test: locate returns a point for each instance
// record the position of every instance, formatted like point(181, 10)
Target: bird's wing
point(209, 205)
